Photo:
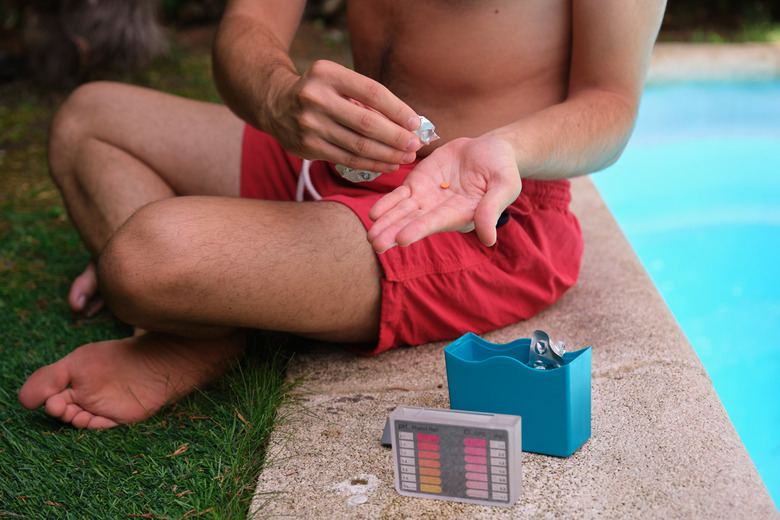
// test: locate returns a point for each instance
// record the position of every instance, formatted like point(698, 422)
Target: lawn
point(198, 458)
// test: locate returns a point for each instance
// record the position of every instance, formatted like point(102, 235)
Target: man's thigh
point(194, 146)
point(305, 268)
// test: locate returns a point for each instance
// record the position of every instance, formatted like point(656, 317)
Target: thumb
point(489, 210)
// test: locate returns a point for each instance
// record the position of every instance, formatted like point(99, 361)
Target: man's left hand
point(462, 186)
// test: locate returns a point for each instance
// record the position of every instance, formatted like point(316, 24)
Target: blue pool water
point(697, 193)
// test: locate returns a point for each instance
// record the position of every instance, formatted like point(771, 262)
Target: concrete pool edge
point(662, 444)
point(679, 62)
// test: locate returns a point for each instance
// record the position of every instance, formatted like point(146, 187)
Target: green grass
point(200, 455)
point(198, 458)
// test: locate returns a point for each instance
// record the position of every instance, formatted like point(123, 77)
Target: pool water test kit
point(455, 455)
point(526, 395)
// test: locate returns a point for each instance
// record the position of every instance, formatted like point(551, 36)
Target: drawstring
point(304, 181)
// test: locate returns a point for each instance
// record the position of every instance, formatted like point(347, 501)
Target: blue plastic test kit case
point(555, 404)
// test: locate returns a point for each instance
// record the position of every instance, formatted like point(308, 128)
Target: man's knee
point(73, 124)
point(143, 269)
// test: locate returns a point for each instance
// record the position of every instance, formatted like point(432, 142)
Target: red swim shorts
point(449, 283)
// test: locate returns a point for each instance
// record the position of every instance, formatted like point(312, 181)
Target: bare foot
point(84, 298)
point(102, 385)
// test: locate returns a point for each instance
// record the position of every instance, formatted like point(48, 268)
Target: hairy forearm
point(327, 112)
point(250, 65)
point(581, 135)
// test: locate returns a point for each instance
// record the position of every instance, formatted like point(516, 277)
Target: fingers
point(439, 219)
point(383, 233)
point(402, 220)
point(372, 94)
point(485, 226)
point(348, 118)
point(330, 152)
point(481, 179)
point(356, 136)
point(488, 212)
point(388, 202)
point(375, 137)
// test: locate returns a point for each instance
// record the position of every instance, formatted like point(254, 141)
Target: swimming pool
point(697, 193)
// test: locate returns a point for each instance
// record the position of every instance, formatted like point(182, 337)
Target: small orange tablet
point(445, 185)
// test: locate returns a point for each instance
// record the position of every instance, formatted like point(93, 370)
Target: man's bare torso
point(468, 65)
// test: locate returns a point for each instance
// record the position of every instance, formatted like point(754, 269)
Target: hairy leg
point(114, 148)
point(194, 270)
point(199, 266)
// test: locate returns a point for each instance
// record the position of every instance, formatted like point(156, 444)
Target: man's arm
point(251, 54)
point(611, 45)
point(328, 112)
point(612, 41)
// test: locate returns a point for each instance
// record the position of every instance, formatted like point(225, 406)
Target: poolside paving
point(672, 62)
point(662, 445)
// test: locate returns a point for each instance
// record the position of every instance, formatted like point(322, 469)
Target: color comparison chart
point(454, 455)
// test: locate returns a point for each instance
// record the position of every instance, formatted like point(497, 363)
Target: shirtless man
point(523, 95)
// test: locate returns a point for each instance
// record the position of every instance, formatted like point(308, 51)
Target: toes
point(84, 297)
point(81, 419)
point(83, 289)
point(94, 306)
point(43, 384)
point(57, 404)
point(71, 411)
point(101, 423)
point(62, 407)
point(84, 419)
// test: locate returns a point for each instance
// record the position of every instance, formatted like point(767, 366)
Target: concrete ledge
point(672, 62)
point(662, 445)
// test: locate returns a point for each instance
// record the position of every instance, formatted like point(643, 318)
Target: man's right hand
point(333, 113)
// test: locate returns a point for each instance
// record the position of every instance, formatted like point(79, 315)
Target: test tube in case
point(495, 378)
point(455, 455)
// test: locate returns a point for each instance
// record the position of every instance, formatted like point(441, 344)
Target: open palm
point(482, 180)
